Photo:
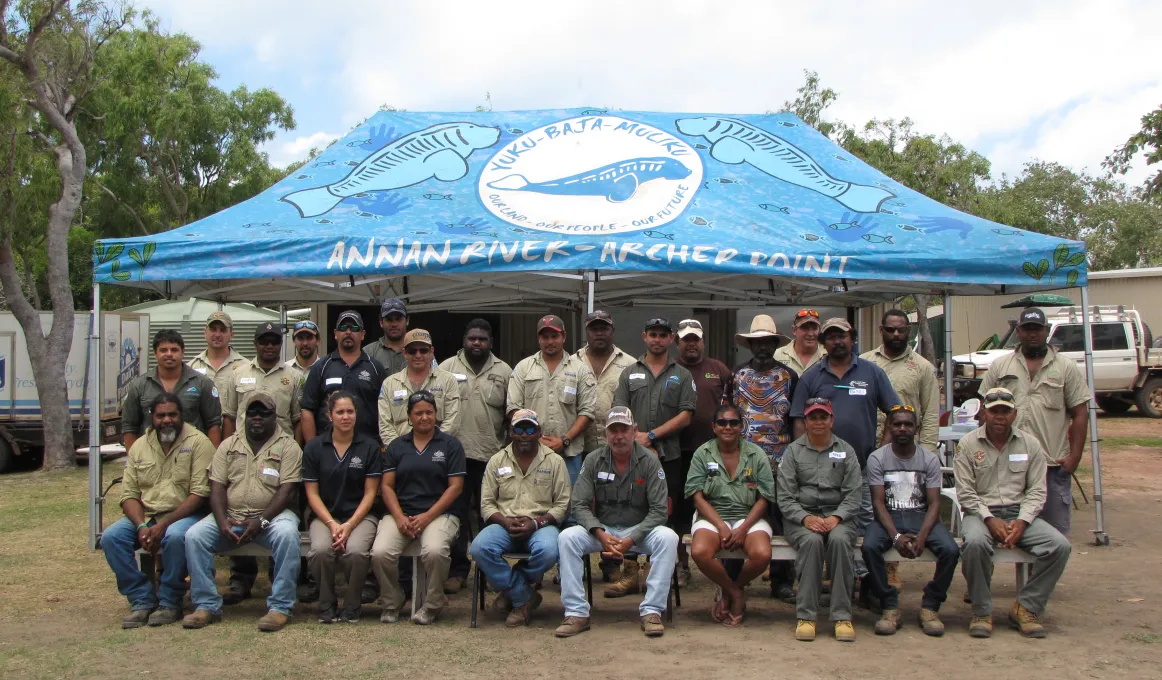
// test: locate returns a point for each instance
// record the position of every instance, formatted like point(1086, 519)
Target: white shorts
point(760, 525)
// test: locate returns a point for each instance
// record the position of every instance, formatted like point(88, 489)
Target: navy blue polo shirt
point(362, 379)
point(856, 398)
point(341, 480)
point(421, 477)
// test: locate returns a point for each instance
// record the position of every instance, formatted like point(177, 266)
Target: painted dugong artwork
point(733, 141)
point(438, 151)
point(617, 182)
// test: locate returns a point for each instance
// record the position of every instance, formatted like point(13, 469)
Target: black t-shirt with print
point(341, 480)
point(421, 477)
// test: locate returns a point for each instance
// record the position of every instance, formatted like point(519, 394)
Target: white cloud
point(283, 152)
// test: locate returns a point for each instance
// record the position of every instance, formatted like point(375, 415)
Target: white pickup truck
point(1127, 371)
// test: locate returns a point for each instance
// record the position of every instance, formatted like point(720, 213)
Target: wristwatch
point(264, 523)
point(653, 437)
point(565, 442)
point(896, 537)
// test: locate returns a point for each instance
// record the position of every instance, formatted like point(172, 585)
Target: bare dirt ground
point(59, 613)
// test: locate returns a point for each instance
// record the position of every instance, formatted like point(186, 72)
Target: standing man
point(1000, 481)
point(420, 374)
point(711, 383)
point(607, 361)
point(306, 338)
point(483, 382)
point(804, 351)
point(761, 390)
point(349, 369)
point(388, 350)
point(1053, 395)
point(219, 357)
point(265, 373)
point(197, 393)
point(560, 388)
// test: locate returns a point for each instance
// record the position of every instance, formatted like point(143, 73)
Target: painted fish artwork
point(1007, 232)
point(438, 151)
point(775, 208)
point(438, 197)
point(700, 221)
point(848, 230)
point(809, 237)
point(616, 182)
point(876, 238)
point(658, 234)
point(734, 141)
point(909, 227)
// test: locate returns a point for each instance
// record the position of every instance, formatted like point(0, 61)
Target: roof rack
point(1098, 313)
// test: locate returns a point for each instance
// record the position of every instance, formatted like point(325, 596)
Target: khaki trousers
point(435, 554)
point(321, 560)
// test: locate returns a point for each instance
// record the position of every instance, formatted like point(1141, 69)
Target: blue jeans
point(576, 543)
point(119, 543)
point(573, 465)
point(876, 542)
point(493, 541)
point(281, 538)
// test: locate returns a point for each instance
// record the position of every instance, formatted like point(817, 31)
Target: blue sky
point(1065, 81)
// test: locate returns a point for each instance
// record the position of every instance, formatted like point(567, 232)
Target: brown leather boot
point(628, 583)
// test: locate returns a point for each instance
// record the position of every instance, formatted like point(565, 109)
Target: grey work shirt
point(820, 483)
point(603, 497)
point(392, 360)
point(655, 400)
point(857, 398)
point(199, 397)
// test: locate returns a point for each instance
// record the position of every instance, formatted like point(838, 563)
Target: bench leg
point(419, 584)
point(670, 596)
point(148, 565)
point(477, 592)
point(1023, 573)
point(588, 568)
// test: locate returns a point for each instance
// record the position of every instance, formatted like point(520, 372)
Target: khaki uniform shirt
point(914, 379)
point(293, 365)
point(480, 427)
point(786, 355)
point(731, 498)
point(163, 481)
point(221, 376)
point(559, 398)
point(252, 478)
point(988, 478)
point(655, 401)
point(393, 403)
point(821, 483)
point(606, 385)
point(1044, 400)
point(604, 497)
point(281, 382)
point(543, 489)
point(392, 360)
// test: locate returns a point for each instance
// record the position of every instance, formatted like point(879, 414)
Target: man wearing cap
point(201, 407)
point(306, 338)
point(607, 361)
point(347, 368)
point(252, 478)
point(711, 383)
point(420, 374)
point(483, 382)
point(1054, 397)
point(265, 373)
point(560, 388)
point(1000, 483)
point(819, 495)
point(524, 499)
point(219, 358)
point(388, 350)
point(619, 503)
point(761, 390)
point(805, 350)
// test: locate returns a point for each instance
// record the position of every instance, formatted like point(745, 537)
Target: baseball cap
point(349, 315)
point(999, 396)
point(551, 321)
point(392, 306)
point(598, 316)
point(805, 316)
point(659, 322)
point(263, 398)
point(417, 335)
point(689, 327)
point(835, 322)
point(818, 404)
point(305, 326)
point(1033, 316)
point(525, 415)
point(619, 415)
point(220, 317)
point(268, 328)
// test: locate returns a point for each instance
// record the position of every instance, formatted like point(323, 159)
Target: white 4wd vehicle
point(1127, 371)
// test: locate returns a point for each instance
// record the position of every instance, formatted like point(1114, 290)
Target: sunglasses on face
point(261, 412)
point(525, 430)
point(728, 422)
point(807, 312)
point(894, 330)
point(267, 340)
point(813, 401)
point(349, 327)
point(418, 350)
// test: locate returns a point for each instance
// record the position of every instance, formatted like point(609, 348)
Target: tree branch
point(123, 204)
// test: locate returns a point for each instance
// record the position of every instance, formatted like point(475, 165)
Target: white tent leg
point(949, 369)
point(1099, 532)
point(282, 322)
point(95, 408)
point(590, 288)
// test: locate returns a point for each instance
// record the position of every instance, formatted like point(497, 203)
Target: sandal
point(719, 611)
point(732, 620)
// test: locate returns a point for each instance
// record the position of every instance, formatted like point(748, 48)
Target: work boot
point(453, 584)
point(805, 630)
point(519, 616)
point(894, 575)
point(980, 626)
point(683, 575)
point(273, 621)
point(389, 615)
point(369, 593)
point(930, 622)
point(329, 614)
point(784, 592)
point(609, 570)
point(889, 622)
point(235, 593)
point(572, 625)
point(310, 592)
point(628, 583)
point(652, 625)
point(844, 631)
point(426, 616)
point(502, 604)
point(136, 619)
point(200, 619)
point(164, 616)
point(1026, 622)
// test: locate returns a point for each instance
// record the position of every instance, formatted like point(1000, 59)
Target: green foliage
point(1148, 140)
point(811, 101)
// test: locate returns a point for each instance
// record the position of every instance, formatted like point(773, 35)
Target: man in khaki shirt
point(219, 359)
point(163, 494)
point(1000, 485)
point(561, 388)
point(265, 373)
point(252, 478)
point(524, 499)
point(912, 376)
point(805, 350)
point(420, 374)
point(607, 361)
point(1054, 398)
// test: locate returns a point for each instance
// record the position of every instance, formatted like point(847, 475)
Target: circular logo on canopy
point(591, 175)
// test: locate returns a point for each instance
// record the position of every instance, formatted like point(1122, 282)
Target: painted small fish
point(1007, 232)
point(658, 234)
point(876, 238)
point(352, 163)
point(725, 180)
point(787, 124)
point(908, 227)
point(898, 204)
point(489, 234)
point(256, 224)
point(304, 176)
point(809, 237)
point(324, 164)
point(421, 233)
point(359, 142)
point(361, 195)
point(617, 182)
point(367, 214)
point(700, 221)
point(841, 226)
point(841, 158)
point(438, 197)
point(324, 222)
point(888, 212)
point(594, 112)
point(701, 146)
point(281, 231)
point(516, 131)
point(775, 208)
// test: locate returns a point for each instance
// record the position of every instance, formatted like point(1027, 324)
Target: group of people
point(565, 455)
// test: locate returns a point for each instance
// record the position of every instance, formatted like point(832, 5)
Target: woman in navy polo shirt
point(423, 476)
point(341, 471)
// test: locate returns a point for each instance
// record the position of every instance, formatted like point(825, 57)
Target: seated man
point(163, 494)
point(905, 488)
point(1000, 483)
point(820, 489)
point(524, 498)
point(252, 479)
point(619, 502)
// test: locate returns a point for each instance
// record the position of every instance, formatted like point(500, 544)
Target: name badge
point(837, 455)
point(1018, 457)
point(460, 377)
point(858, 391)
point(399, 394)
point(569, 389)
point(894, 477)
point(712, 467)
point(201, 370)
point(270, 471)
point(247, 381)
point(637, 376)
point(605, 476)
point(334, 381)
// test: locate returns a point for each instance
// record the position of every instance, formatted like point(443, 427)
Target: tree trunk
point(927, 347)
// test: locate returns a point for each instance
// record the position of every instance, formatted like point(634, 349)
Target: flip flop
point(732, 621)
point(719, 611)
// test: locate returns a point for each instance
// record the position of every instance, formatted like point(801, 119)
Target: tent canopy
point(750, 208)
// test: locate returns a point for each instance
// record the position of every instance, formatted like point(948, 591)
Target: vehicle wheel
point(7, 456)
point(1149, 398)
point(1112, 405)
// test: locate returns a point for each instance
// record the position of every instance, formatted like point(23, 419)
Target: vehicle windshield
point(1012, 342)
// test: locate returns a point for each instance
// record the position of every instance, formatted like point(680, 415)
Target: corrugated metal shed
point(188, 317)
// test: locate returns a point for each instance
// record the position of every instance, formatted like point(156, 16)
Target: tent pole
point(1099, 533)
point(282, 322)
point(95, 409)
point(949, 369)
point(590, 286)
